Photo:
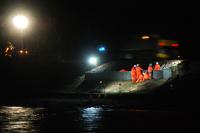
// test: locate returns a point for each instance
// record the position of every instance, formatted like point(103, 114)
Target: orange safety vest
point(150, 69)
point(133, 74)
point(146, 76)
point(157, 67)
point(140, 78)
point(138, 71)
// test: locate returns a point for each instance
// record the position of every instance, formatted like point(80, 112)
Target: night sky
point(68, 26)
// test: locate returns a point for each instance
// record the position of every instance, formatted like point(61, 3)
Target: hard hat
point(157, 63)
point(134, 65)
point(150, 64)
point(137, 64)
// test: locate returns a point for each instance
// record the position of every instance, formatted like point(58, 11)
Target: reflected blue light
point(92, 110)
point(101, 49)
point(91, 118)
point(91, 114)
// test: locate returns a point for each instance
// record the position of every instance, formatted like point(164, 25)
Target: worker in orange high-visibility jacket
point(140, 78)
point(146, 75)
point(157, 66)
point(133, 74)
point(138, 70)
point(150, 70)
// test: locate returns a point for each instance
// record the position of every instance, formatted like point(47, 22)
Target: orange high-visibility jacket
point(146, 76)
point(157, 67)
point(133, 71)
point(133, 74)
point(138, 71)
point(150, 69)
point(140, 78)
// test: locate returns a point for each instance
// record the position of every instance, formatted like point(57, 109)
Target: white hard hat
point(137, 64)
point(134, 65)
point(157, 63)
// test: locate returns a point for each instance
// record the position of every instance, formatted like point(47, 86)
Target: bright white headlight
point(93, 60)
point(20, 22)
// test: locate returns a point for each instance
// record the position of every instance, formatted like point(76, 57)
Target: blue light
point(102, 49)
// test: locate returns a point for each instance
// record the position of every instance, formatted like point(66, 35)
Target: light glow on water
point(19, 119)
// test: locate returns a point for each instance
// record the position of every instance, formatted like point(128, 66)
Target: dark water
point(15, 119)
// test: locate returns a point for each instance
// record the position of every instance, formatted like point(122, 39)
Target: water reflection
point(91, 118)
point(84, 119)
point(19, 119)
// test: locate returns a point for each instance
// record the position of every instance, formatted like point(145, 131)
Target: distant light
point(179, 56)
point(145, 37)
point(93, 60)
point(6, 49)
point(102, 49)
point(161, 44)
point(21, 51)
point(20, 22)
point(175, 45)
point(162, 55)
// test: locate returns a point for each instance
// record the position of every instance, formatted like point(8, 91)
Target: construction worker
point(140, 78)
point(150, 70)
point(146, 75)
point(157, 67)
point(138, 71)
point(133, 74)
